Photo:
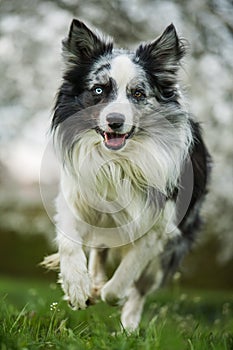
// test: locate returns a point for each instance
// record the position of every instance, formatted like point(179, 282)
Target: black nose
point(115, 120)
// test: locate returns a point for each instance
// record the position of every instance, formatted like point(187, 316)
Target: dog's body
point(134, 173)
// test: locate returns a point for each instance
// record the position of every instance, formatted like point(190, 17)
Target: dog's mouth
point(115, 140)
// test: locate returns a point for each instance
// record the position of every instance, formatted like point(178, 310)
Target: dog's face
point(119, 90)
point(120, 87)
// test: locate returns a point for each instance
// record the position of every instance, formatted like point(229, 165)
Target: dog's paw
point(77, 289)
point(111, 295)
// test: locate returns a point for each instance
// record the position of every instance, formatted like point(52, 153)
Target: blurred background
point(30, 69)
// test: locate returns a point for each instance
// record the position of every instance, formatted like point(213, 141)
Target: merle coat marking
point(134, 170)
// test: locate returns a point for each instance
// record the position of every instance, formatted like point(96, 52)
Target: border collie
point(134, 170)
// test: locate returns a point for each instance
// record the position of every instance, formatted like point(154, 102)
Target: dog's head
point(112, 91)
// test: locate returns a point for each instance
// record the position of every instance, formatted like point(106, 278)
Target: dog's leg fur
point(96, 268)
point(138, 257)
point(74, 276)
point(51, 262)
point(132, 310)
point(149, 281)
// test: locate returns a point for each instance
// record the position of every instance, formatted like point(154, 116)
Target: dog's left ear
point(83, 44)
point(161, 58)
point(164, 52)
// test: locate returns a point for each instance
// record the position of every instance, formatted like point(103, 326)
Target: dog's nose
point(115, 120)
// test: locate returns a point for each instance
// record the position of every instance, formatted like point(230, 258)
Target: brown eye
point(138, 95)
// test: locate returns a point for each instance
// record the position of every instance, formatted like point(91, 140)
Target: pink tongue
point(114, 140)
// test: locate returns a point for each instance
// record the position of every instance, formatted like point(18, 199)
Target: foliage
point(34, 317)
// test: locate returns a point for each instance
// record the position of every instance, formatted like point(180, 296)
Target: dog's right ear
point(83, 45)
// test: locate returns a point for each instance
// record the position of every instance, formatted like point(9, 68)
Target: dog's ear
point(161, 58)
point(83, 44)
point(164, 53)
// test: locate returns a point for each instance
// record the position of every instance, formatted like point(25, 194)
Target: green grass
point(33, 316)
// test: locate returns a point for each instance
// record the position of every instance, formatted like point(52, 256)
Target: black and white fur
point(134, 170)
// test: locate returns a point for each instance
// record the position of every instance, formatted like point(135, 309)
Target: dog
point(134, 170)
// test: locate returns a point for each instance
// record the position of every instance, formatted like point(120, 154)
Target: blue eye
point(98, 91)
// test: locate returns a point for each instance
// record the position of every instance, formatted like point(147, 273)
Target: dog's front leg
point(116, 290)
point(74, 276)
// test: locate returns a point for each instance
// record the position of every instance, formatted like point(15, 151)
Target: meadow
point(34, 316)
